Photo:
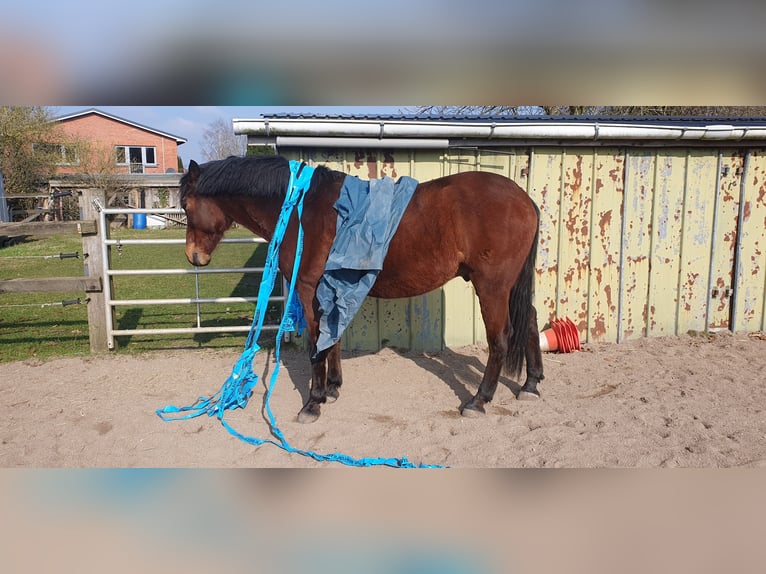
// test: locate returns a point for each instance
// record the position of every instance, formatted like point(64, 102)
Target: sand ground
point(688, 401)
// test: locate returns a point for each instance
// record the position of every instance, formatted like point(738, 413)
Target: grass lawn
point(37, 325)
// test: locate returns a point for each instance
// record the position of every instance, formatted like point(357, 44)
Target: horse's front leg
point(318, 392)
point(326, 379)
point(323, 387)
point(334, 373)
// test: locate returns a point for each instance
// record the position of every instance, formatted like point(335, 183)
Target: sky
point(190, 122)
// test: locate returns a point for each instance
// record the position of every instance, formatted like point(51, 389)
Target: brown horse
point(475, 225)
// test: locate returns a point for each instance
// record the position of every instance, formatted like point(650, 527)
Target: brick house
point(101, 142)
point(136, 165)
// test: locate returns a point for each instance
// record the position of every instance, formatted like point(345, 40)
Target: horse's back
point(470, 207)
point(455, 224)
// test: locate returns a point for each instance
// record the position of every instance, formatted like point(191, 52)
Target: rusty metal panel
point(519, 169)
point(373, 164)
point(750, 289)
point(636, 244)
point(460, 314)
point(724, 239)
point(394, 323)
point(606, 218)
point(361, 163)
point(424, 165)
point(502, 162)
point(545, 183)
point(427, 312)
point(332, 158)
point(461, 160)
point(666, 231)
point(574, 242)
point(363, 334)
point(479, 330)
point(696, 240)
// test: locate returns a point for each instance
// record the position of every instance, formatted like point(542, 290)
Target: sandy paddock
point(688, 401)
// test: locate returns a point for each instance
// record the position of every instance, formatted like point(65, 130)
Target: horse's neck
point(259, 216)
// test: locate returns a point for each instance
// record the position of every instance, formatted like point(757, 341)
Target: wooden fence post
point(93, 262)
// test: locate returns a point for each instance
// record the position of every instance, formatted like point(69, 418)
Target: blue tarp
point(368, 216)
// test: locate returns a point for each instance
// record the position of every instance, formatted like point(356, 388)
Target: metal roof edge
point(581, 130)
point(533, 118)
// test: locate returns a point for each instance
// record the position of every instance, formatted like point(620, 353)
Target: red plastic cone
point(562, 336)
point(549, 341)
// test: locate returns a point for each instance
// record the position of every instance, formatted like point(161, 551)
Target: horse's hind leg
point(534, 360)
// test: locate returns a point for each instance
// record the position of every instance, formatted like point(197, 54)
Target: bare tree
point(478, 110)
point(220, 142)
point(688, 111)
point(97, 168)
point(30, 147)
point(678, 111)
point(510, 111)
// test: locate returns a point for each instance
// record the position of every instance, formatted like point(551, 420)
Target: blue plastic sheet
point(369, 213)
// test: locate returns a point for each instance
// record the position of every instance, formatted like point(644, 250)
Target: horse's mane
point(245, 176)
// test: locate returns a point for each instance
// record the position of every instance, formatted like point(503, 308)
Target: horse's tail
point(520, 307)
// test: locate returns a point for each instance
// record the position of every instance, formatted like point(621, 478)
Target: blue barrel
point(139, 221)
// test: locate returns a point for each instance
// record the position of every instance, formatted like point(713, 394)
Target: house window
point(62, 154)
point(136, 157)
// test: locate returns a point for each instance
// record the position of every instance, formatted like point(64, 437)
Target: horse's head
point(205, 220)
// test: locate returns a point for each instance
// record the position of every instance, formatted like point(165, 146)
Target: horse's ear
point(193, 170)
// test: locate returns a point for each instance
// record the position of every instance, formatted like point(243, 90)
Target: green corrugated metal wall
point(633, 241)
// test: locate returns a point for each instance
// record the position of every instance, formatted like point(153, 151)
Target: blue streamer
point(238, 388)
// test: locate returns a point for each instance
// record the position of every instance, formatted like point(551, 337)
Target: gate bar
point(190, 301)
point(106, 243)
point(148, 210)
point(186, 330)
point(103, 226)
point(179, 241)
point(177, 271)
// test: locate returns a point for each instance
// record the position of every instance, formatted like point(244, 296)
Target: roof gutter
point(395, 131)
point(342, 142)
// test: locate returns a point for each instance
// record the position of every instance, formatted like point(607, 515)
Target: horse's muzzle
point(199, 262)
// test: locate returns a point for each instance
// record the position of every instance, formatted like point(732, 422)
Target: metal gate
point(110, 298)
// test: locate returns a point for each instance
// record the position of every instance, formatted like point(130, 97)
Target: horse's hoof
point(306, 416)
point(472, 411)
point(333, 392)
point(527, 396)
